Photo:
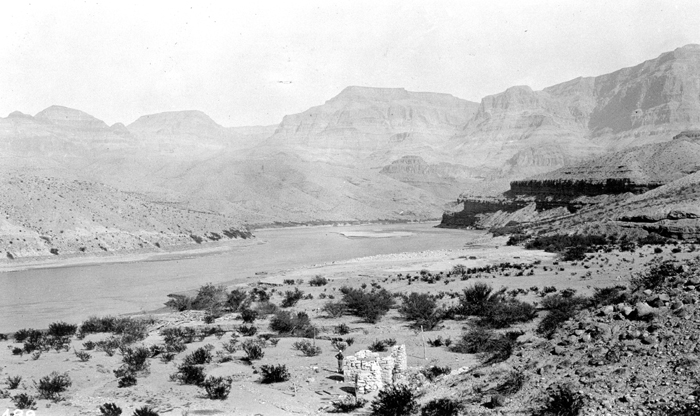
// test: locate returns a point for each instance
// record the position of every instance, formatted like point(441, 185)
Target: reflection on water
point(35, 298)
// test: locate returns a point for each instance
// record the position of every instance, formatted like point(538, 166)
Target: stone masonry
point(371, 373)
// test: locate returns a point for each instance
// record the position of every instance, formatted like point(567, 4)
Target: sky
point(250, 63)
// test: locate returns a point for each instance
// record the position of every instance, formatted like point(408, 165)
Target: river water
point(37, 297)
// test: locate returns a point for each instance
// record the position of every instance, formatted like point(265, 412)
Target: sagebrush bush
point(249, 315)
point(334, 309)
point(189, 374)
point(442, 407)
point(217, 388)
point(127, 380)
point(62, 329)
point(136, 359)
point(24, 401)
point(198, 357)
point(236, 299)
point(110, 409)
point(562, 401)
point(347, 404)
point(318, 280)
point(288, 323)
point(307, 348)
point(274, 373)
point(395, 400)
point(50, 387)
point(248, 330)
point(492, 347)
point(291, 298)
point(507, 313)
point(253, 349)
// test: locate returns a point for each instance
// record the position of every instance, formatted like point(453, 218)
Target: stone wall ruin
point(371, 373)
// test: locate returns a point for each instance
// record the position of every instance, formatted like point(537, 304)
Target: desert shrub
point(24, 401)
point(291, 298)
point(236, 299)
point(136, 359)
point(440, 341)
point(477, 299)
point(512, 384)
point(17, 351)
point(505, 314)
point(562, 401)
point(13, 382)
point(458, 269)
point(198, 357)
point(89, 345)
point(421, 308)
point(380, 345)
point(266, 308)
point(62, 329)
point(179, 303)
point(371, 306)
point(433, 372)
point(395, 400)
point(82, 355)
point(307, 348)
point(561, 242)
point(318, 280)
point(127, 380)
point(210, 297)
point(347, 404)
point(274, 373)
point(561, 309)
point(110, 409)
point(50, 387)
point(492, 347)
point(189, 374)
point(342, 329)
point(442, 407)
point(96, 324)
point(334, 309)
point(249, 315)
point(217, 388)
point(299, 324)
point(248, 330)
point(656, 275)
point(174, 335)
point(253, 349)
point(610, 295)
point(27, 334)
point(145, 411)
point(231, 346)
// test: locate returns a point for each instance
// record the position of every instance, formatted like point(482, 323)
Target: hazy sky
point(253, 62)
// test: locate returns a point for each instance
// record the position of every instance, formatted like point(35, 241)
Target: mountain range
point(365, 154)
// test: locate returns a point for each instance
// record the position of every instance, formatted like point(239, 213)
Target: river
point(37, 297)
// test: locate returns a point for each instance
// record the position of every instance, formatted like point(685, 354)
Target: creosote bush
point(50, 387)
point(318, 280)
point(253, 349)
point(421, 308)
point(217, 388)
point(189, 374)
point(110, 409)
point(307, 348)
point(334, 309)
point(198, 357)
point(395, 400)
point(562, 401)
point(62, 329)
point(492, 347)
point(291, 298)
point(433, 372)
point(13, 382)
point(347, 404)
point(442, 407)
point(145, 411)
point(287, 323)
point(24, 401)
point(274, 373)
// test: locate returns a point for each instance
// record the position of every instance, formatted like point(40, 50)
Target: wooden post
point(425, 357)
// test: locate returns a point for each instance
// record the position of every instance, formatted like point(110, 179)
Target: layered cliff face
point(361, 121)
point(526, 132)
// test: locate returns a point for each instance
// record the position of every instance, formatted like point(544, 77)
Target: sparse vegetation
point(562, 401)
point(50, 387)
point(110, 409)
point(395, 400)
point(442, 407)
point(217, 388)
point(274, 374)
point(307, 348)
point(371, 306)
point(24, 401)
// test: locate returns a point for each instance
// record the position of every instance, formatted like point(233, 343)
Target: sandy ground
point(314, 380)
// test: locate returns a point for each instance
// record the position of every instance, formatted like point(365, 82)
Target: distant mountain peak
point(172, 123)
point(70, 117)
